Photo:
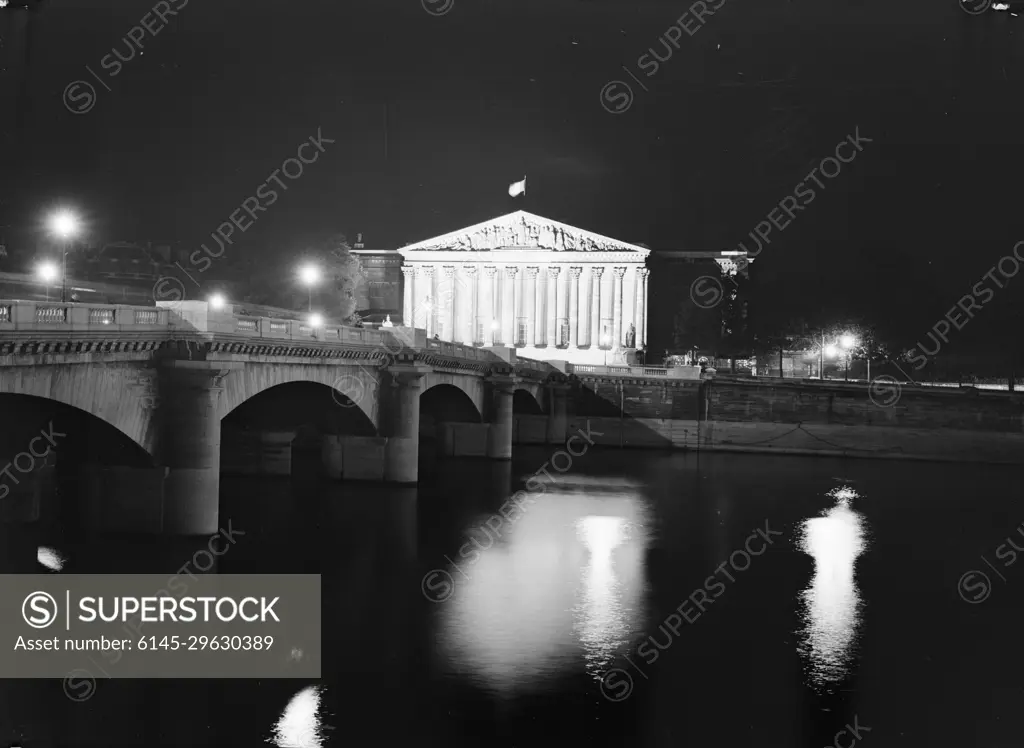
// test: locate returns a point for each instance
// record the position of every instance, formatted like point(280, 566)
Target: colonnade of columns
point(544, 305)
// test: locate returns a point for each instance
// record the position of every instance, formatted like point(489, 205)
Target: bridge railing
point(675, 372)
point(458, 350)
point(529, 363)
point(55, 316)
point(270, 328)
point(199, 316)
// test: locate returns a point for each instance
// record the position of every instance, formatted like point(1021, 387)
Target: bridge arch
point(74, 432)
point(301, 406)
point(352, 387)
point(447, 402)
point(526, 403)
point(122, 396)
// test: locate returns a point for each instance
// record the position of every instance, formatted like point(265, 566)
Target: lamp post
point(821, 358)
point(605, 342)
point(830, 351)
point(64, 224)
point(310, 275)
point(848, 342)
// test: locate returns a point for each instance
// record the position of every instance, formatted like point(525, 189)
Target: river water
point(640, 598)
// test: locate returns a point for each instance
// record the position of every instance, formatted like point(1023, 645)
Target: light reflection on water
point(831, 605)
point(51, 558)
point(300, 725)
point(565, 582)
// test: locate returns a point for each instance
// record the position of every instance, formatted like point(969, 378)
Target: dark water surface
point(574, 620)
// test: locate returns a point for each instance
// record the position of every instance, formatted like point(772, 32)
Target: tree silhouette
point(274, 283)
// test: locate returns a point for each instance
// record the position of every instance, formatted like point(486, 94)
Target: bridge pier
point(27, 483)
point(557, 412)
point(499, 435)
point(20, 514)
point(402, 451)
point(189, 446)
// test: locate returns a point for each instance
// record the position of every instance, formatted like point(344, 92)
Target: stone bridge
point(167, 378)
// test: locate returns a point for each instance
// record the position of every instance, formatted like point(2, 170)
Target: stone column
point(508, 306)
point(641, 305)
point(499, 435)
point(189, 445)
point(435, 303)
point(530, 303)
point(402, 450)
point(628, 304)
point(646, 274)
point(408, 303)
point(557, 409)
point(552, 306)
point(561, 305)
point(617, 308)
point(574, 306)
point(520, 305)
point(596, 272)
point(420, 292)
point(540, 328)
point(584, 312)
point(472, 306)
point(487, 307)
point(451, 305)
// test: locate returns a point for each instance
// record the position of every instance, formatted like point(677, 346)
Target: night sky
point(474, 98)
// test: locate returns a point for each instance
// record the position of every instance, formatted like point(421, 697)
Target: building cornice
point(516, 256)
point(521, 230)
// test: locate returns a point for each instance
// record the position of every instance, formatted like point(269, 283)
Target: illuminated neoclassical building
point(550, 290)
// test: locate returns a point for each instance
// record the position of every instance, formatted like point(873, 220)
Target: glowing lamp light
point(315, 320)
point(848, 341)
point(831, 350)
point(309, 274)
point(64, 223)
point(217, 301)
point(48, 272)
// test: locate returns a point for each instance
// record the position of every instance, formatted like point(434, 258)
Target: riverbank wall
point(804, 417)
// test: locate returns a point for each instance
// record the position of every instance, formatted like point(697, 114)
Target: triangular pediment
point(522, 230)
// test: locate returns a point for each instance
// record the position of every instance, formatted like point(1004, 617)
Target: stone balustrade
point(457, 350)
point(41, 316)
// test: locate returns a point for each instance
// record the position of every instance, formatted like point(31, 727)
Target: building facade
point(552, 291)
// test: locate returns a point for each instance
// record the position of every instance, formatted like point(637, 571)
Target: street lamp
point(310, 275)
point(217, 301)
point(606, 341)
point(65, 225)
point(827, 351)
point(848, 342)
point(47, 274)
